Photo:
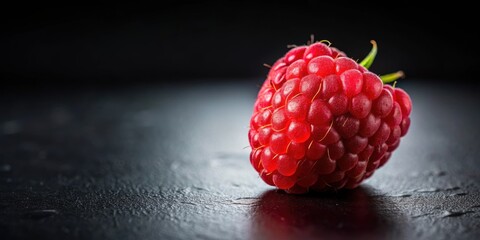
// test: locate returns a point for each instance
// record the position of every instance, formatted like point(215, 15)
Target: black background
point(131, 121)
point(214, 41)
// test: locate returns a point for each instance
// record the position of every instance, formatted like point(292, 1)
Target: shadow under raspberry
point(349, 214)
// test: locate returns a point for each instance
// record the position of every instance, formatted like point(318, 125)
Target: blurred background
point(130, 121)
point(209, 41)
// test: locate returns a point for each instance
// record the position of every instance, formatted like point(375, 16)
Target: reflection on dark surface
point(346, 214)
point(166, 162)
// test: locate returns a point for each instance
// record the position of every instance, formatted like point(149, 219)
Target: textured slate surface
point(170, 162)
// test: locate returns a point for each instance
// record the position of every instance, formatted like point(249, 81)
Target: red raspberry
point(322, 121)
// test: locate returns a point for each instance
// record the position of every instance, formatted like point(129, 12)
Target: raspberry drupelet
point(323, 121)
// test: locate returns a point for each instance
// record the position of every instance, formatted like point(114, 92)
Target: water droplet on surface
point(41, 214)
point(186, 202)
point(458, 194)
point(427, 190)
point(452, 188)
point(199, 188)
point(455, 213)
point(421, 215)
point(402, 195)
point(432, 190)
point(245, 201)
point(437, 173)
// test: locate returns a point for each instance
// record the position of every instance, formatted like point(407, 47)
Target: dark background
point(214, 40)
point(131, 121)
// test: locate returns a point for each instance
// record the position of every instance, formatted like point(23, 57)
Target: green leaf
point(391, 77)
point(368, 60)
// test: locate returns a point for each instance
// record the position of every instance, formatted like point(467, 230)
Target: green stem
point(368, 60)
point(391, 77)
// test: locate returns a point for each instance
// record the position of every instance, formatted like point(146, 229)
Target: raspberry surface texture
point(323, 121)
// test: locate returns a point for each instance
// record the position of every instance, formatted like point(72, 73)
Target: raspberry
point(323, 121)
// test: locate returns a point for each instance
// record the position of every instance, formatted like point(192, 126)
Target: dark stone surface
point(159, 162)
